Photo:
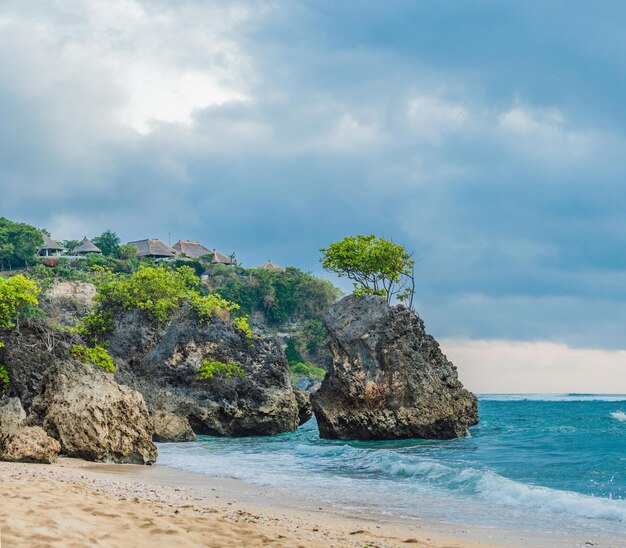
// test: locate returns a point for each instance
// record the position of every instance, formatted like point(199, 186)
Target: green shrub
point(306, 370)
point(4, 380)
point(97, 355)
point(243, 324)
point(209, 369)
point(18, 299)
point(160, 292)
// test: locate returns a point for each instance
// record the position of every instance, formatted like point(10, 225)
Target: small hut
point(50, 248)
point(191, 250)
point(220, 258)
point(269, 265)
point(86, 247)
point(153, 248)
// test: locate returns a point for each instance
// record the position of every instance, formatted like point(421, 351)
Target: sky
point(488, 137)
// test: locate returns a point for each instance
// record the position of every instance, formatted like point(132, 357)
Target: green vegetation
point(305, 370)
point(280, 296)
point(375, 265)
point(18, 244)
point(18, 299)
point(108, 242)
point(160, 292)
point(97, 355)
point(4, 380)
point(243, 324)
point(209, 369)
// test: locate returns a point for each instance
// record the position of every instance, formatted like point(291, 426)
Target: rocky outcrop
point(19, 443)
point(389, 378)
point(305, 409)
point(262, 402)
point(169, 427)
point(67, 302)
point(27, 354)
point(93, 417)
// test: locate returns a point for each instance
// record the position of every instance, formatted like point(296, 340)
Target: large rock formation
point(93, 417)
point(163, 366)
point(19, 443)
point(169, 427)
point(389, 378)
point(28, 353)
point(67, 302)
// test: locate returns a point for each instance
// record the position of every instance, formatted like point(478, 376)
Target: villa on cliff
point(153, 248)
point(50, 248)
point(182, 249)
point(269, 265)
point(86, 247)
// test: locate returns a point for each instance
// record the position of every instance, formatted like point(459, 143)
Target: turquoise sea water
point(546, 462)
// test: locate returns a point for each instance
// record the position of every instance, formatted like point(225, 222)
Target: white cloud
point(164, 62)
point(499, 366)
point(431, 118)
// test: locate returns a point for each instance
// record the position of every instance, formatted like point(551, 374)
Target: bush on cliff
point(280, 296)
point(306, 370)
point(97, 355)
point(18, 299)
point(4, 380)
point(210, 369)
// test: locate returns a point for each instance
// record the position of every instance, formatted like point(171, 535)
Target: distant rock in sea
point(389, 378)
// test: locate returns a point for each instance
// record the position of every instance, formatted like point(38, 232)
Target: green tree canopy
point(108, 242)
point(70, 244)
point(375, 265)
point(17, 295)
point(18, 243)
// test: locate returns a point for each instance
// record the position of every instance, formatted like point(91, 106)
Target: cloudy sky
point(487, 136)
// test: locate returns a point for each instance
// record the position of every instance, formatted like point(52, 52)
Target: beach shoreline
point(79, 503)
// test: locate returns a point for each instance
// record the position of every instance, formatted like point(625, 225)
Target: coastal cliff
point(388, 378)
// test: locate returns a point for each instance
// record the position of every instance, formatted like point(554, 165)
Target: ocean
point(540, 462)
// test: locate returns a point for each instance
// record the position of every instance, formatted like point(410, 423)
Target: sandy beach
point(75, 503)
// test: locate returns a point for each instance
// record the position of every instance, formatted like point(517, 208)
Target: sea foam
point(619, 415)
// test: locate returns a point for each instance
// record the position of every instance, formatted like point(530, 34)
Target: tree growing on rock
point(375, 265)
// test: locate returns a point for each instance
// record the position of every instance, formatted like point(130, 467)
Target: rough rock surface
point(19, 443)
point(305, 409)
point(28, 352)
point(169, 427)
point(67, 302)
point(389, 378)
point(93, 417)
point(261, 403)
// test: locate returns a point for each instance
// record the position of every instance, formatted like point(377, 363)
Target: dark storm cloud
point(488, 137)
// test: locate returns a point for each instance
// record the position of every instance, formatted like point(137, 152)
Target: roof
point(152, 248)
point(220, 258)
point(49, 243)
point(192, 250)
point(269, 265)
point(86, 246)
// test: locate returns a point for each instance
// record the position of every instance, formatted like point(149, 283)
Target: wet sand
point(77, 503)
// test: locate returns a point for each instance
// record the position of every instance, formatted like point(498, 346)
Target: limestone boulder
point(388, 379)
point(92, 416)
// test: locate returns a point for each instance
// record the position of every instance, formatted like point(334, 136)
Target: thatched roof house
point(269, 265)
point(50, 248)
point(86, 247)
point(220, 258)
point(153, 248)
point(191, 250)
